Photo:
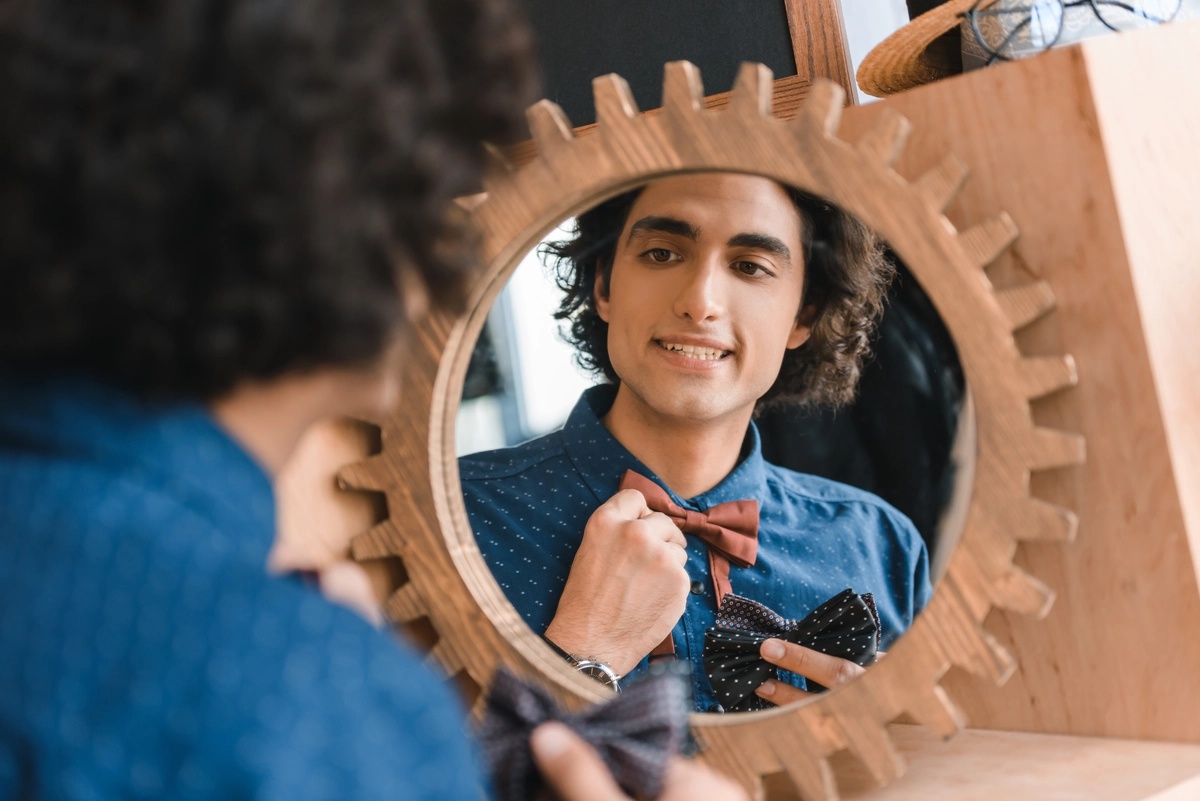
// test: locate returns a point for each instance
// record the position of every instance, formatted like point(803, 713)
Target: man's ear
point(600, 294)
point(802, 329)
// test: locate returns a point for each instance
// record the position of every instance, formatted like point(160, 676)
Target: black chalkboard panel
point(579, 40)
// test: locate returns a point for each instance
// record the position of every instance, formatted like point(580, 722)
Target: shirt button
point(716, 708)
point(697, 588)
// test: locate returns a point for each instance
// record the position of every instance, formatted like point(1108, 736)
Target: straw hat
point(926, 49)
point(936, 44)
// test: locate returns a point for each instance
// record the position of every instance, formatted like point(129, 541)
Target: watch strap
point(593, 668)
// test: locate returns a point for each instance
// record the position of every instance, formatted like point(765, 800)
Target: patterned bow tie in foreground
point(730, 530)
point(635, 733)
point(845, 626)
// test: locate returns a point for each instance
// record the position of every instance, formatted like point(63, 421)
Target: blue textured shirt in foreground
point(144, 650)
point(528, 506)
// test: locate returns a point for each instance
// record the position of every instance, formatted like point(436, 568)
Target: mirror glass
point(868, 496)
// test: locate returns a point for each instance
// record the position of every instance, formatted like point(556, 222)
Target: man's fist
point(627, 587)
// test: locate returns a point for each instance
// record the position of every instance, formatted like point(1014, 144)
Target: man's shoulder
point(811, 489)
point(135, 619)
point(545, 452)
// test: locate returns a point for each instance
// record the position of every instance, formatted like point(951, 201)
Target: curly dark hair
point(198, 193)
point(846, 282)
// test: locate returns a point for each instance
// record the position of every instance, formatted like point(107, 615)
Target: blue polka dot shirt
point(146, 653)
point(528, 506)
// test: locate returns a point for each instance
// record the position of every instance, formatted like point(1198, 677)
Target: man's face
point(704, 298)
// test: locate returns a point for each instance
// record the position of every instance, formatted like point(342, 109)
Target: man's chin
point(694, 407)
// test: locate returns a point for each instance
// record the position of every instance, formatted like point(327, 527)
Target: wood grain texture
point(427, 526)
point(819, 42)
point(1092, 151)
point(985, 765)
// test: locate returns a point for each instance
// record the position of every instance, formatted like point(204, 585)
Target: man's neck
point(690, 456)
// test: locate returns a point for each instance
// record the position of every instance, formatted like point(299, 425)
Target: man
point(701, 298)
point(216, 219)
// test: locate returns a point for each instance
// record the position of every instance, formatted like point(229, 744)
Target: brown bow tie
point(729, 529)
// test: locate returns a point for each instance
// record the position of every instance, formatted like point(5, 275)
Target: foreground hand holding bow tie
point(574, 772)
point(627, 746)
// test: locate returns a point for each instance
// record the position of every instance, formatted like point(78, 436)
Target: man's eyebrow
point(666, 225)
point(763, 242)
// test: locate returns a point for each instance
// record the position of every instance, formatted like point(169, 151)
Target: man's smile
point(698, 352)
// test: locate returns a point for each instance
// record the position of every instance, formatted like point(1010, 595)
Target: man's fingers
point(628, 504)
point(665, 527)
point(572, 769)
point(781, 693)
point(824, 669)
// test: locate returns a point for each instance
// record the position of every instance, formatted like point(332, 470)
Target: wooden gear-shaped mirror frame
point(448, 583)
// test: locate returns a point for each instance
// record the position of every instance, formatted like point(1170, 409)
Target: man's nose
point(701, 295)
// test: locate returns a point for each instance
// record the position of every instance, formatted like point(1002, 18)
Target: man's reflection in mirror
point(700, 300)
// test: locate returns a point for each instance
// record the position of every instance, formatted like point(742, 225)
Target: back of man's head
point(199, 193)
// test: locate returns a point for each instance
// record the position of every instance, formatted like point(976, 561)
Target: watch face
point(600, 672)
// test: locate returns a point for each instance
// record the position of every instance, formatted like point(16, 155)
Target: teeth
point(695, 352)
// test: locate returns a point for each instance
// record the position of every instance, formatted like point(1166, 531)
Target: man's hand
point(575, 772)
point(627, 587)
point(828, 671)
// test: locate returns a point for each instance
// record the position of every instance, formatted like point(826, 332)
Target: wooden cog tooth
point(935, 711)
point(496, 163)
point(1040, 376)
point(870, 742)
point(683, 93)
point(550, 127)
point(405, 605)
point(373, 543)
point(984, 242)
point(614, 101)
point(884, 141)
point(1035, 520)
point(496, 169)
point(479, 708)
point(942, 182)
point(1024, 304)
point(1052, 448)
point(996, 663)
point(1017, 591)
point(469, 203)
point(443, 657)
point(798, 751)
point(365, 475)
point(822, 109)
point(752, 91)
point(963, 639)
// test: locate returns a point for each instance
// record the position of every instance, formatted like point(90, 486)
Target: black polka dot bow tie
point(635, 733)
point(845, 626)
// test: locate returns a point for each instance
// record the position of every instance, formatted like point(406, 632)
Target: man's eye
point(750, 268)
point(660, 255)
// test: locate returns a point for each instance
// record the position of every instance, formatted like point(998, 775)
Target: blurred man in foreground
point(217, 220)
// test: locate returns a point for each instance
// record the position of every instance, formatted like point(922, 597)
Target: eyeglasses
point(1007, 30)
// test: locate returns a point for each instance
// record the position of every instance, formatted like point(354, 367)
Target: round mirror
point(447, 581)
point(757, 300)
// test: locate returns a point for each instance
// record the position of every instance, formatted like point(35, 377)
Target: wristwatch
point(593, 668)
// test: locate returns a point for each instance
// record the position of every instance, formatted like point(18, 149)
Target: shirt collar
point(176, 447)
point(601, 460)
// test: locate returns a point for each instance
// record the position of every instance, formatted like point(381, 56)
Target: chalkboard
point(577, 41)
